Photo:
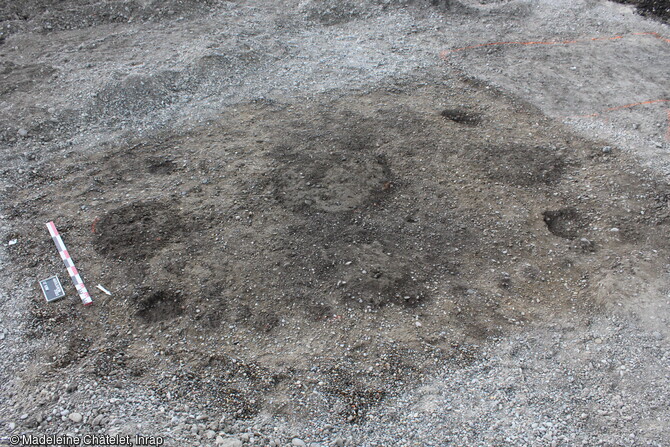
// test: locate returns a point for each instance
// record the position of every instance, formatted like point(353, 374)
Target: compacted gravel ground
point(327, 223)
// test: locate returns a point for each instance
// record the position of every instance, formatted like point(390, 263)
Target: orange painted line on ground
point(626, 106)
point(444, 53)
point(656, 35)
point(95, 222)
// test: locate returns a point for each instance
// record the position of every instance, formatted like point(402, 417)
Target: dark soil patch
point(462, 116)
point(331, 237)
point(160, 165)
point(522, 165)
point(567, 223)
point(137, 231)
point(52, 15)
point(349, 176)
point(659, 9)
point(160, 305)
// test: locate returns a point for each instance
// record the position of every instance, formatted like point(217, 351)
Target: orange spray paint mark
point(444, 54)
point(628, 106)
point(95, 222)
point(656, 35)
point(613, 109)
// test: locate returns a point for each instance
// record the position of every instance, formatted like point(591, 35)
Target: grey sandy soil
point(341, 222)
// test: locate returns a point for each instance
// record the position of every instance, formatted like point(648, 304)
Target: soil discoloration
point(135, 232)
point(315, 218)
point(567, 223)
point(160, 305)
point(523, 165)
point(659, 9)
point(461, 116)
point(373, 213)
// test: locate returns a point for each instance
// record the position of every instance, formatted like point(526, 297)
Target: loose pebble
point(75, 417)
point(228, 442)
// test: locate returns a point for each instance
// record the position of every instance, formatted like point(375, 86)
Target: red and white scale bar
point(71, 269)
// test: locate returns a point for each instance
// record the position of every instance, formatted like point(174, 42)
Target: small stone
point(598, 341)
point(586, 245)
point(11, 426)
point(614, 230)
point(229, 442)
point(297, 442)
point(75, 417)
point(24, 416)
point(657, 335)
point(607, 149)
point(51, 110)
point(210, 434)
point(339, 442)
point(32, 423)
point(23, 132)
point(96, 420)
point(71, 388)
point(13, 242)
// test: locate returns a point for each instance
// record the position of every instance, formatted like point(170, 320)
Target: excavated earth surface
point(373, 250)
